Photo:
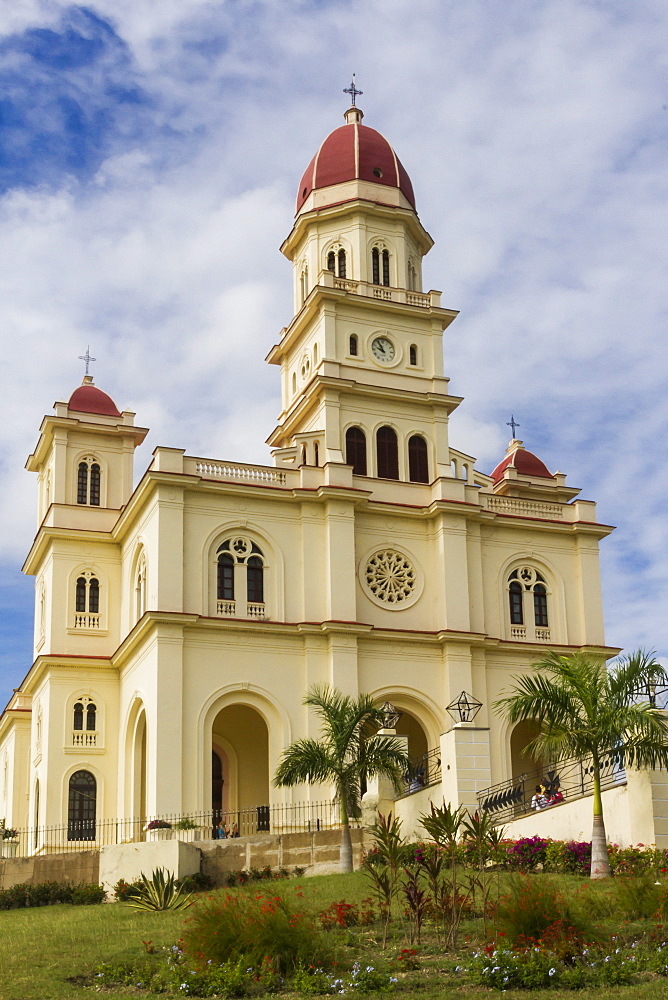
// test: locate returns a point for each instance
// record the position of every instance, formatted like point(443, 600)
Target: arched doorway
point(409, 726)
point(241, 784)
point(520, 762)
point(81, 806)
point(139, 767)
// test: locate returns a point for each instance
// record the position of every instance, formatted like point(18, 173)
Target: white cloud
point(535, 136)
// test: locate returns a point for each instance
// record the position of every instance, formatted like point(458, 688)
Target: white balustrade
point(84, 738)
point(251, 473)
point(86, 620)
point(518, 631)
point(525, 508)
point(226, 607)
point(256, 611)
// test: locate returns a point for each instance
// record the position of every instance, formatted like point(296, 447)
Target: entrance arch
point(244, 772)
point(409, 726)
point(520, 762)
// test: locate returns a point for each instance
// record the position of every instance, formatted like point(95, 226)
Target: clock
point(383, 349)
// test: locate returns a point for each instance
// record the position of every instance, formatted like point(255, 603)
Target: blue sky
point(149, 157)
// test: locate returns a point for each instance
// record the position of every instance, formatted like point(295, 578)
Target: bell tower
point(362, 360)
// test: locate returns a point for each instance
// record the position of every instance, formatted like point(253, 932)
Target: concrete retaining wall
point(73, 867)
point(318, 852)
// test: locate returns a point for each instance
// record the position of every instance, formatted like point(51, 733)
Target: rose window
point(390, 577)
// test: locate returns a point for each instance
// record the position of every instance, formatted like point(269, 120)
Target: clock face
point(382, 349)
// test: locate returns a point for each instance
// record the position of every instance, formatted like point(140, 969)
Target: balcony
point(423, 300)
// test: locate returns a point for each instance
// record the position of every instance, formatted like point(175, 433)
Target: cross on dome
point(87, 358)
point(353, 91)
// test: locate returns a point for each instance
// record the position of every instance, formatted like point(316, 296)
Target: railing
point(573, 777)
point(526, 508)
point(86, 620)
point(384, 292)
point(84, 738)
point(228, 609)
point(250, 473)
point(537, 634)
point(423, 772)
point(91, 834)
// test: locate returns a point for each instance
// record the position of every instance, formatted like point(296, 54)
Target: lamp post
point(390, 716)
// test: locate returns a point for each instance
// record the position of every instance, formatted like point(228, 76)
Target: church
point(180, 622)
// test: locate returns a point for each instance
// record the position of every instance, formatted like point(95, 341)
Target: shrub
point(160, 892)
point(250, 927)
point(639, 898)
point(533, 907)
point(526, 853)
point(344, 914)
point(49, 893)
point(637, 860)
point(568, 857)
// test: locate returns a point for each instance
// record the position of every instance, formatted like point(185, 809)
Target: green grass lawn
point(44, 950)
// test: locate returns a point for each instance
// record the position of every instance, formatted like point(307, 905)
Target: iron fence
point(573, 778)
point(90, 834)
point(423, 772)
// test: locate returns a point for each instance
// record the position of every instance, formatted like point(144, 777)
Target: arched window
point(342, 263)
point(375, 266)
point(352, 345)
point(140, 588)
point(78, 720)
point(540, 605)
point(412, 355)
point(336, 261)
point(303, 454)
point(225, 577)
point(88, 482)
point(516, 608)
point(418, 463)
point(380, 266)
point(240, 566)
point(91, 713)
point(304, 284)
point(316, 460)
point(87, 601)
point(255, 580)
point(81, 806)
point(387, 453)
point(315, 354)
point(527, 585)
point(356, 450)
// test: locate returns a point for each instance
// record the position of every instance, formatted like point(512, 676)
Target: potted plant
point(187, 829)
point(9, 842)
point(158, 829)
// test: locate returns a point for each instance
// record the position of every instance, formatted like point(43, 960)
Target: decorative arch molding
point(422, 708)
point(274, 566)
point(252, 696)
point(82, 765)
point(338, 251)
point(138, 583)
point(135, 715)
point(556, 594)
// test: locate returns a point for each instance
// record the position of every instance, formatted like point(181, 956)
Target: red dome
point(354, 152)
point(89, 399)
point(526, 463)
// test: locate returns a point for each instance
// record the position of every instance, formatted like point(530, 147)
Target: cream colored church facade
point(180, 622)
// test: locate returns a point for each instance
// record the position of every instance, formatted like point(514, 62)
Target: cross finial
point(352, 90)
point(87, 358)
point(512, 423)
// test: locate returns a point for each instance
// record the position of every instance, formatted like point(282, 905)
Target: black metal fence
point(423, 772)
point(86, 835)
point(572, 778)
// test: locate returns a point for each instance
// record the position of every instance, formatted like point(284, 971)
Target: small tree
point(585, 709)
point(346, 755)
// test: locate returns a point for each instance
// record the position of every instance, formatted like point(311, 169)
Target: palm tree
point(346, 755)
point(585, 709)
